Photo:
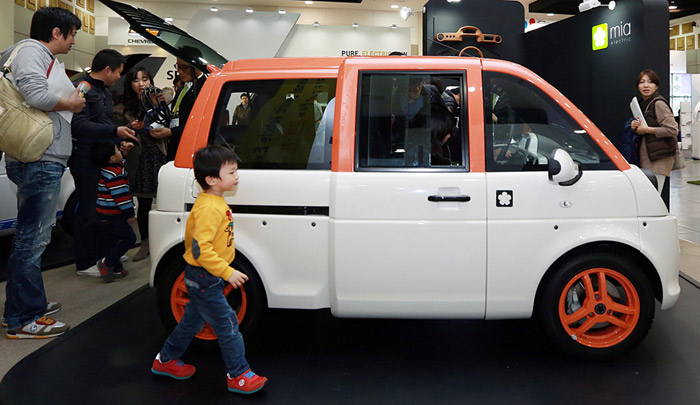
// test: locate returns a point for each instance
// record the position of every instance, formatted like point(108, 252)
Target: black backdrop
point(600, 83)
point(505, 18)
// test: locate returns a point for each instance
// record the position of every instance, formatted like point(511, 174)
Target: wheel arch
point(603, 246)
point(179, 250)
point(162, 267)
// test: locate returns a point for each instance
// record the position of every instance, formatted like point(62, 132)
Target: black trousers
point(666, 193)
point(86, 243)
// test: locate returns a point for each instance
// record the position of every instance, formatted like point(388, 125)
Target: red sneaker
point(246, 383)
point(176, 369)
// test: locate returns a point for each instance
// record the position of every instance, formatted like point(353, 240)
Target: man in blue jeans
point(52, 32)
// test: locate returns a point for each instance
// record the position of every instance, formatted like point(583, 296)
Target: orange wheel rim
point(599, 308)
point(179, 298)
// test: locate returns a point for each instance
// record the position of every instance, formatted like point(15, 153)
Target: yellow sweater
point(209, 236)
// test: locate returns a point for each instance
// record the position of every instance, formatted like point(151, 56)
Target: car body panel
point(366, 242)
point(365, 209)
point(8, 199)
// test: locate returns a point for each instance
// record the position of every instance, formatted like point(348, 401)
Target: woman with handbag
point(657, 151)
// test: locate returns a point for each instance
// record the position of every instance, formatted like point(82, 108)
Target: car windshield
point(167, 36)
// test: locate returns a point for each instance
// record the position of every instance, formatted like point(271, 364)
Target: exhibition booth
point(312, 344)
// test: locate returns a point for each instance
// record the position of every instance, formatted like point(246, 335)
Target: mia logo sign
point(604, 35)
point(600, 37)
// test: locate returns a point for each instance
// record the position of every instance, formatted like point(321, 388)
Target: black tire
point(256, 299)
point(69, 211)
point(588, 334)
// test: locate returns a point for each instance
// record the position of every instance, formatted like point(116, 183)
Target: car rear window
point(287, 124)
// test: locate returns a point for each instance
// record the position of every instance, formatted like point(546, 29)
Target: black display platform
point(311, 357)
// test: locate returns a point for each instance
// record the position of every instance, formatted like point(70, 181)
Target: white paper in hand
point(637, 111)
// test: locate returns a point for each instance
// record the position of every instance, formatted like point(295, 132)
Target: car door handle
point(449, 198)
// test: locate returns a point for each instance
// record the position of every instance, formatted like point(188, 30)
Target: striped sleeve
point(113, 197)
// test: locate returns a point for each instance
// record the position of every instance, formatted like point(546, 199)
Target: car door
point(533, 221)
point(407, 225)
point(8, 203)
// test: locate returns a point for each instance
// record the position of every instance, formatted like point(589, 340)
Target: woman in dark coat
point(145, 161)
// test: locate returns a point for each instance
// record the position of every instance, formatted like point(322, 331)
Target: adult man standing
point(41, 80)
point(94, 124)
point(241, 114)
point(451, 99)
point(192, 81)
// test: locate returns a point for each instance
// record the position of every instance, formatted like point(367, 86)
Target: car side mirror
point(562, 169)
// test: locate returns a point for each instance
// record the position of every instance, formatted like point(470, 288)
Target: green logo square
point(600, 37)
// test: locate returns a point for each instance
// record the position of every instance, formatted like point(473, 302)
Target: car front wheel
point(597, 306)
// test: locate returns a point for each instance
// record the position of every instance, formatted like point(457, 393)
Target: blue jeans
point(118, 237)
point(38, 184)
point(207, 304)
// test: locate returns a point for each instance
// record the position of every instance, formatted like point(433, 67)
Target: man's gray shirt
point(29, 70)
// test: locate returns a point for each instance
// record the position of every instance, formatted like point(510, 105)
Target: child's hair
point(208, 162)
point(101, 153)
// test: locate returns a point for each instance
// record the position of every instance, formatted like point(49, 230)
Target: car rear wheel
point(598, 306)
point(249, 302)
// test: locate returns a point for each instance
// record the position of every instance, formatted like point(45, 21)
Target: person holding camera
point(94, 124)
point(146, 158)
point(192, 81)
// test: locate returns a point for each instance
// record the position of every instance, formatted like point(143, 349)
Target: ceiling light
point(316, 24)
point(308, 2)
point(550, 14)
point(453, 1)
point(282, 11)
point(249, 10)
point(393, 26)
point(214, 9)
point(672, 6)
point(405, 13)
point(168, 19)
point(394, 6)
point(355, 25)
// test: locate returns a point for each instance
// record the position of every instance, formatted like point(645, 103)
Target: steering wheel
point(521, 156)
point(513, 133)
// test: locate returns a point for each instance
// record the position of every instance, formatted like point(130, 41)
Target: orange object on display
point(468, 31)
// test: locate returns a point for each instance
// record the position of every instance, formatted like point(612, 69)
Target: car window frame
point(463, 121)
point(491, 166)
point(227, 89)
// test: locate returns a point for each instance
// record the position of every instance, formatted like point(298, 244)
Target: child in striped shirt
point(115, 210)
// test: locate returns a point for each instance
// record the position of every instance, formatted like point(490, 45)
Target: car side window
point(410, 120)
point(279, 125)
point(523, 126)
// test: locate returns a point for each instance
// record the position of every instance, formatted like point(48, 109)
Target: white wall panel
point(308, 40)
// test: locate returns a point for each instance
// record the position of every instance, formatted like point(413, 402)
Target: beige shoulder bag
point(25, 132)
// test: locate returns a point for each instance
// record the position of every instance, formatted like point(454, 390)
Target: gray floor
point(685, 201)
point(83, 297)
